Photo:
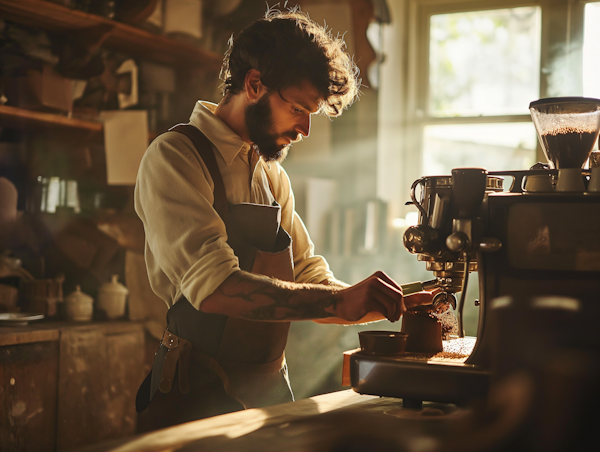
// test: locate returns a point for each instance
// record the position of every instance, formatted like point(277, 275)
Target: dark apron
point(211, 364)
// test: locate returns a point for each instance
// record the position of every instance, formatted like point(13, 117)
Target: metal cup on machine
point(594, 183)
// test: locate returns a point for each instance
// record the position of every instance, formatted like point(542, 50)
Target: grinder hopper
point(567, 128)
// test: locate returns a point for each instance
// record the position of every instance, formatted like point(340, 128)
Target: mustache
point(293, 136)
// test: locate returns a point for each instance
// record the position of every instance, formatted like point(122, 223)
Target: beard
point(259, 122)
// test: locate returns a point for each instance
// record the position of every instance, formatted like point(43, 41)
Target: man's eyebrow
point(306, 107)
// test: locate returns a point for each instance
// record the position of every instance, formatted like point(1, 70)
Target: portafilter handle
point(418, 286)
point(440, 302)
point(468, 189)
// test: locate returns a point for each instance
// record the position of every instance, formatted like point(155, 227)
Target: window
point(483, 70)
point(484, 62)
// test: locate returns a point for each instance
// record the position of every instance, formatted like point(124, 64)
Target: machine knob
point(457, 241)
point(419, 239)
point(490, 244)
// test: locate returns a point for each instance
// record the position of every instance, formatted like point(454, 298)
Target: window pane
point(484, 62)
point(591, 43)
point(496, 147)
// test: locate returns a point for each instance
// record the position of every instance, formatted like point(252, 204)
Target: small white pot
point(112, 298)
point(79, 307)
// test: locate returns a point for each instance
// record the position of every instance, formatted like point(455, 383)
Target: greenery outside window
point(482, 72)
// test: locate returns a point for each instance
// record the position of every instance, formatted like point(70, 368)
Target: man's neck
point(232, 113)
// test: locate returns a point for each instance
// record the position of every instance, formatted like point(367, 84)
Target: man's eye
point(296, 110)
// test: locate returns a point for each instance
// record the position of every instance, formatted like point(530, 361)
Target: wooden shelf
point(21, 118)
point(125, 38)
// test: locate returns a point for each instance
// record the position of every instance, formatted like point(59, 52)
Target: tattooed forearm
point(260, 298)
point(284, 308)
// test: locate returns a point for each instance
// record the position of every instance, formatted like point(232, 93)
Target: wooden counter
point(42, 331)
point(340, 421)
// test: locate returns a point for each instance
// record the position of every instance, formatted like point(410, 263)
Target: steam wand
point(463, 292)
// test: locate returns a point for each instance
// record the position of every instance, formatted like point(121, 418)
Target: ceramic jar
point(112, 297)
point(79, 306)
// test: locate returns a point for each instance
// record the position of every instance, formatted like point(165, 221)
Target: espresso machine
point(533, 236)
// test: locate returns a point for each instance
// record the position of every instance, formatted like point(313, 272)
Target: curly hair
point(288, 48)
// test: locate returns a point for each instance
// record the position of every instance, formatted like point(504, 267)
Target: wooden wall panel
point(80, 386)
point(99, 372)
point(28, 379)
point(126, 372)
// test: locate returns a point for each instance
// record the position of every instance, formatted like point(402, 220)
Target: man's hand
point(378, 293)
point(382, 298)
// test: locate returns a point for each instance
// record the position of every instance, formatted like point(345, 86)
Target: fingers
point(415, 299)
point(389, 297)
point(383, 276)
point(374, 305)
point(386, 296)
point(377, 293)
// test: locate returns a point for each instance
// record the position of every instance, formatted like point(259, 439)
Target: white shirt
point(186, 242)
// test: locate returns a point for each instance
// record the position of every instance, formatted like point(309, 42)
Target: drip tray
point(442, 377)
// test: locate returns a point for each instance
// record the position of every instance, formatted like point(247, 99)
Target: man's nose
point(303, 127)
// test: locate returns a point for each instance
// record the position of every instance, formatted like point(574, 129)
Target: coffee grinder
point(530, 235)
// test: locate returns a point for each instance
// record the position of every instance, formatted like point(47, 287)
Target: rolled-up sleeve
point(308, 267)
point(186, 241)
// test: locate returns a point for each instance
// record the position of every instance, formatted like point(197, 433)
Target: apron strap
point(204, 148)
point(178, 355)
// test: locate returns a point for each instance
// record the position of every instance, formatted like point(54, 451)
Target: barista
point(224, 247)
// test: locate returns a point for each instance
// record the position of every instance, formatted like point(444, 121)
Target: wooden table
point(330, 422)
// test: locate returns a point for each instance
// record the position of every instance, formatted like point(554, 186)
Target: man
point(224, 247)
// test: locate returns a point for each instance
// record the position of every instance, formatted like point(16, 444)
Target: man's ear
point(253, 86)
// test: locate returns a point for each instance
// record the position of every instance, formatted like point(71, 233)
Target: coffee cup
point(538, 183)
point(570, 180)
point(382, 342)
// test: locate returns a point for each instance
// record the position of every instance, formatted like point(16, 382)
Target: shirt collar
point(227, 142)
